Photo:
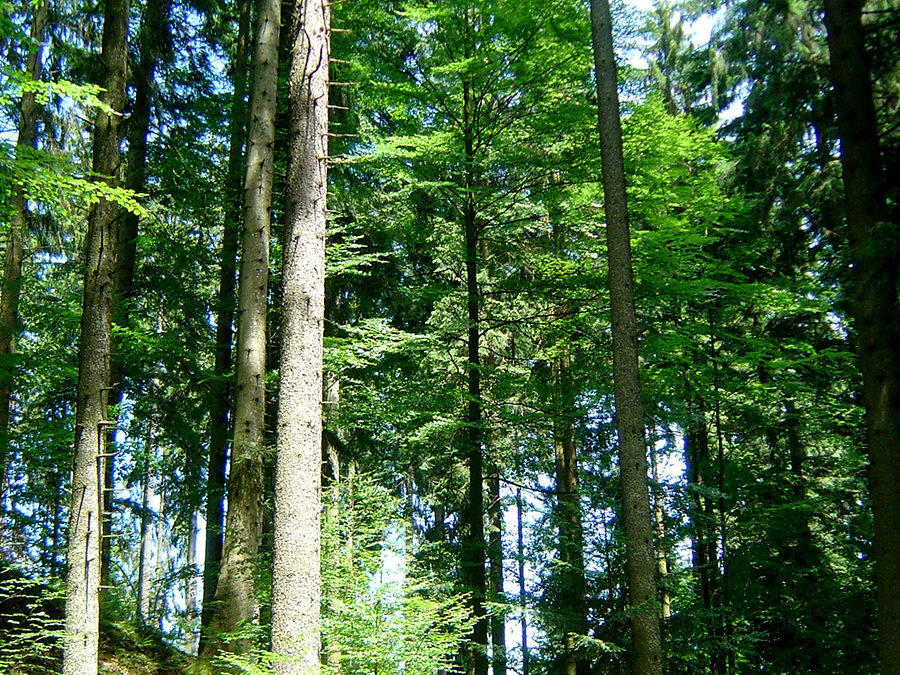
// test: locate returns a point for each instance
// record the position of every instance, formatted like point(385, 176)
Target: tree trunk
point(571, 534)
point(82, 584)
point(190, 592)
point(153, 41)
point(295, 577)
point(220, 390)
point(473, 549)
point(235, 599)
point(874, 304)
point(636, 519)
point(12, 262)
point(495, 555)
point(659, 517)
point(523, 605)
point(144, 561)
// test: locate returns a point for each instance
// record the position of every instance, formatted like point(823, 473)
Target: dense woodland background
point(468, 404)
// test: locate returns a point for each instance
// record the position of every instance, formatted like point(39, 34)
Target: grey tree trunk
point(296, 585)
point(153, 38)
point(636, 518)
point(190, 591)
point(659, 517)
point(220, 391)
point(874, 303)
point(235, 599)
point(12, 261)
point(83, 581)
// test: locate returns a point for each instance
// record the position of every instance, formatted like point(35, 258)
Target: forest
point(424, 337)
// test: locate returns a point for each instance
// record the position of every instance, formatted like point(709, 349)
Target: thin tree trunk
point(296, 586)
point(331, 511)
point(495, 555)
point(220, 391)
point(523, 604)
point(235, 599)
point(659, 517)
point(12, 261)
point(153, 40)
point(145, 570)
point(874, 304)
point(190, 592)
point(82, 585)
point(473, 550)
point(636, 518)
point(571, 534)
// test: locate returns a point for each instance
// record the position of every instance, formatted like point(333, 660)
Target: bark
point(473, 551)
point(523, 606)
point(154, 38)
point(636, 518)
point(190, 591)
point(82, 584)
point(296, 577)
point(331, 511)
point(235, 599)
point(571, 534)
point(659, 517)
point(144, 569)
point(12, 261)
point(874, 304)
point(495, 556)
point(220, 391)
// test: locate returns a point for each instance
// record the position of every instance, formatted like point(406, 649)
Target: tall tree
point(15, 242)
point(85, 514)
point(235, 595)
point(296, 575)
point(646, 639)
point(874, 251)
point(154, 43)
point(220, 399)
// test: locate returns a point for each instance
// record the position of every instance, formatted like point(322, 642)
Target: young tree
point(85, 514)
point(646, 640)
point(295, 577)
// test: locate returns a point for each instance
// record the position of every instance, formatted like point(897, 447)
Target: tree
point(296, 575)
point(12, 260)
point(85, 513)
point(235, 596)
point(646, 638)
point(874, 253)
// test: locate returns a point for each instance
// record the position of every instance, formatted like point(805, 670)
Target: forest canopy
point(414, 337)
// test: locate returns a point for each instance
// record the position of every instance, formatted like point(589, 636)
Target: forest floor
point(31, 625)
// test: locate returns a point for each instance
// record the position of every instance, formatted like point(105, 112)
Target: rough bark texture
point(874, 304)
point(220, 390)
point(235, 600)
point(154, 37)
point(636, 518)
point(12, 261)
point(82, 584)
point(296, 575)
